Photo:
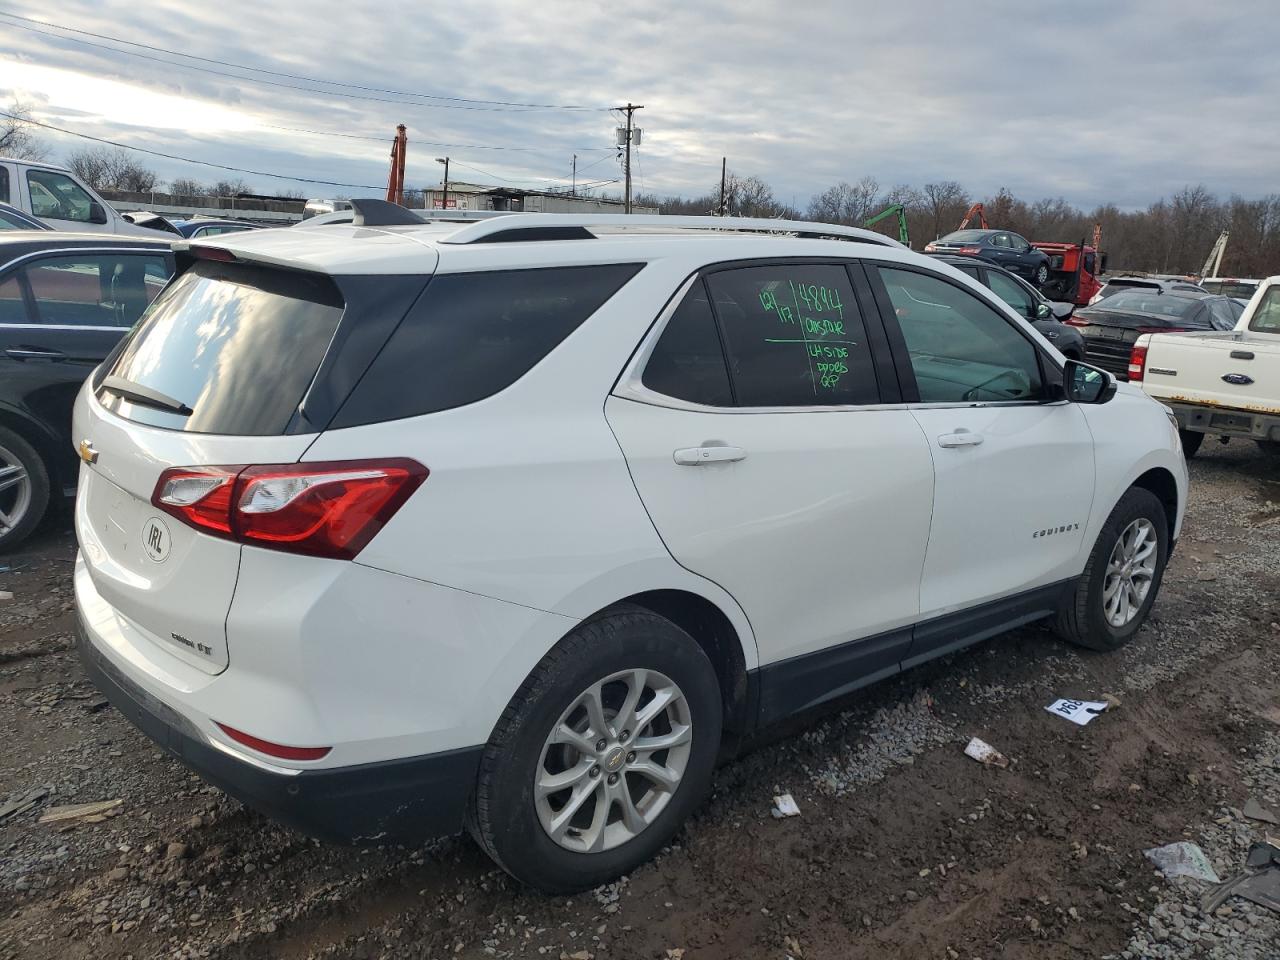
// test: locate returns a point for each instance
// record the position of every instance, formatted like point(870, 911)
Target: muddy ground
point(904, 848)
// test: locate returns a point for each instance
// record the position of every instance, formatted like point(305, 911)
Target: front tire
point(601, 755)
point(24, 489)
point(1114, 595)
point(1041, 275)
point(1191, 440)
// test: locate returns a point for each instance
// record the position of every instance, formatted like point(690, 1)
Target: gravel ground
point(904, 848)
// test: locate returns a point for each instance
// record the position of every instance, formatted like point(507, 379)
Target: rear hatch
point(214, 374)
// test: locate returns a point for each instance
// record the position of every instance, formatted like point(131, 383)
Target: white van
point(60, 198)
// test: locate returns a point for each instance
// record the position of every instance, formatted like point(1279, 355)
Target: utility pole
point(444, 201)
point(574, 191)
point(630, 135)
point(723, 168)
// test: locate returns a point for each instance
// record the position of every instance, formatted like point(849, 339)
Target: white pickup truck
point(1225, 383)
point(60, 198)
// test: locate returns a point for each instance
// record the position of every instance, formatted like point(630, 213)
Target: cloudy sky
point(1095, 101)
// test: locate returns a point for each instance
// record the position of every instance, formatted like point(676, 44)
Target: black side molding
point(380, 213)
point(1241, 354)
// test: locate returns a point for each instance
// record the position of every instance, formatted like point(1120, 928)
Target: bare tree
point(186, 187)
point(230, 188)
point(752, 197)
point(106, 169)
point(946, 202)
point(847, 203)
point(17, 134)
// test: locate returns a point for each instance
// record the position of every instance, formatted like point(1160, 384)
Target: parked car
point(1027, 302)
point(1001, 247)
point(1231, 286)
point(58, 197)
point(1224, 384)
point(11, 218)
point(1110, 328)
point(212, 227)
point(394, 525)
point(65, 301)
point(1116, 285)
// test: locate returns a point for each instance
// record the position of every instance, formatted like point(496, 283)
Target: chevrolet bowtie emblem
point(87, 453)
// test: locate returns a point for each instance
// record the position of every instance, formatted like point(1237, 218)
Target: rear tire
point(1191, 440)
point(24, 489)
point(1113, 596)
point(1270, 447)
point(545, 754)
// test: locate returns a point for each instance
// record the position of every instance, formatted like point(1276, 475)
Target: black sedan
point(66, 299)
point(1111, 326)
point(1000, 247)
point(1044, 314)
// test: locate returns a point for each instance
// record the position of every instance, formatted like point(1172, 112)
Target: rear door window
point(13, 307)
point(238, 345)
point(473, 334)
point(794, 336)
point(95, 290)
point(688, 362)
point(1012, 293)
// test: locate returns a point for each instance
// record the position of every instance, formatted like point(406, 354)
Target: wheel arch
point(44, 444)
point(1160, 482)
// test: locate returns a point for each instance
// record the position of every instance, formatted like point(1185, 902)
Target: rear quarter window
point(471, 335)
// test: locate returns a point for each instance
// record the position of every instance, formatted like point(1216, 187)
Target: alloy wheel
point(15, 491)
point(613, 761)
point(1131, 571)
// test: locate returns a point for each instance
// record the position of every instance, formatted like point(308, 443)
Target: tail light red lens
point(970, 251)
point(331, 509)
point(1137, 363)
point(1076, 322)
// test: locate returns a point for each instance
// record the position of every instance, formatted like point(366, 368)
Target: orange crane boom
point(395, 182)
point(974, 211)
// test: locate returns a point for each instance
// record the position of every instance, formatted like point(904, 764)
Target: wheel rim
point(1130, 572)
point(613, 761)
point(15, 491)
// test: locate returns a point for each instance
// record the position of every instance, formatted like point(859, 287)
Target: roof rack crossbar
point(489, 231)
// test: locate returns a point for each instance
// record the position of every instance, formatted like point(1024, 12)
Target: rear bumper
point(403, 800)
point(1225, 421)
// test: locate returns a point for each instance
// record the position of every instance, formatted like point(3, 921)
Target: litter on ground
point(785, 806)
point(1077, 711)
point(1183, 859)
point(984, 752)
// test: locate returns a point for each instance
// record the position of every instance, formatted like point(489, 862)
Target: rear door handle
point(961, 438)
point(34, 353)
point(708, 453)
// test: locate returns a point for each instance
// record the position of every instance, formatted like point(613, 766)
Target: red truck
point(1073, 272)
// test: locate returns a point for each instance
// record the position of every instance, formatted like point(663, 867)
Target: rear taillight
point(970, 251)
point(1137, 362)
point(330, 509)
point(929, 248)
point(1076, 322)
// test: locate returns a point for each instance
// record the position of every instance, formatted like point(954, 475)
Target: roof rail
point(519, 225)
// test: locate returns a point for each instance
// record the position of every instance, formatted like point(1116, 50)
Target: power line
point(455, 103)
point(434, 143)
point(203, 163)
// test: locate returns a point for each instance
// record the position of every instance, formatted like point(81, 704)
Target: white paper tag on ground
point(1077, 711)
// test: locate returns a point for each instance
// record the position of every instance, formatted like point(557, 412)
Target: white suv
point(395, 526)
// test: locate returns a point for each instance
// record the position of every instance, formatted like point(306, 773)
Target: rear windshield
point(1266, 319)
point(1157, 304)
point(964, 236)
point(1119, 286)
point(238, 345)
point(1229, 288)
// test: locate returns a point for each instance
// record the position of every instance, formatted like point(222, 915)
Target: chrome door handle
point(28, 353)
point(708, 453)
point(961, 438)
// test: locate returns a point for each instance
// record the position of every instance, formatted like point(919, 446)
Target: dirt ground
point(905, 848)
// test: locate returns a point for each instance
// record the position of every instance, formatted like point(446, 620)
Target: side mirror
point(1061, 310)
point(96, 213)
point(1086, 384)
point(1042, 311)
